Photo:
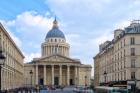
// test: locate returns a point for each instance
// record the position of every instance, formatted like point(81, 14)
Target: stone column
point(68, 75)
point(62, 50)
point(44, 74)
point(76, 77)
point(36, 71)
point(60, 74)
point(52, 74)
point(51, 50)
point(47, 50)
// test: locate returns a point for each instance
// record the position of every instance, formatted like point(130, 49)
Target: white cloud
point(28, 31)
point(31, 19)
point(29, 56)
point(122, 24)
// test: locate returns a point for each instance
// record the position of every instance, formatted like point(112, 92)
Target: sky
point(85, 23)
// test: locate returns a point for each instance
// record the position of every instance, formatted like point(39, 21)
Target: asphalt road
point(65, 90)
point(57, 91)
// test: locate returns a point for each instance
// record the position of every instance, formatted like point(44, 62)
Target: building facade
point(96, 70)
point(12, 70)
point(55, 67)
point(118, 60)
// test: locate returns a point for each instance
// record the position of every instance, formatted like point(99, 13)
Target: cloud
point(86, 24)
point(29, 57)
point(28, 30)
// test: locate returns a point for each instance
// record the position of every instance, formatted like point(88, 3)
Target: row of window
point(10, 78)
point(122, 43)
point(55, 40)
point(115, 77)
point(119, 76)
point(9, 47)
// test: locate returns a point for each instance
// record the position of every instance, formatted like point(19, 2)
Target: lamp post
point(31, 73)
point(2, 59)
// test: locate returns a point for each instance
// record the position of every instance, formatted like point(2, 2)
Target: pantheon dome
point(55, 42)
point(55, 32)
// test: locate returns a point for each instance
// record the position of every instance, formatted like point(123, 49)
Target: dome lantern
point(55, 32)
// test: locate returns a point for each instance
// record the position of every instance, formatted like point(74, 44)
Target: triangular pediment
point(57, 58)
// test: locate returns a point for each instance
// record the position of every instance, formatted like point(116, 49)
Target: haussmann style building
point(55, 67)
point(118, 61)
point(12, 69)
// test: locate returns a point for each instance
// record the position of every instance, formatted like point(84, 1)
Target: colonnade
point(52, 74)
point(55, 49)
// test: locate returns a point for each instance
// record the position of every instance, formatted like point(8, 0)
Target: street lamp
point(31, 73)
point(2, 59)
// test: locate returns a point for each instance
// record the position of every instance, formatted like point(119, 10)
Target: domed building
point(55, 67)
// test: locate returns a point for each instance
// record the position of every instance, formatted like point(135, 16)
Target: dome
point(55, 32)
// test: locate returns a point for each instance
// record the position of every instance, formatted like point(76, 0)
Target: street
point(65, 90)
point(56, 91)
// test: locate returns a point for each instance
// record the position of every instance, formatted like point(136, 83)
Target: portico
point(56, 74)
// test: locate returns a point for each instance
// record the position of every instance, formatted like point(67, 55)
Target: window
point(132, 51)
point(124, 75)
point(121, 44)
point(51, 40)
point(55, 40)
point(132, 75)
point(121, 54)
point(133, 63)
point(124, 42)
point(132, 41)
point(118, 46)
point(124, 52)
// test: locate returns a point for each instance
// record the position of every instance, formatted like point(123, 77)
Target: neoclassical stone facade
point(117, 63)
point(55, 67)
point(12, 70)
